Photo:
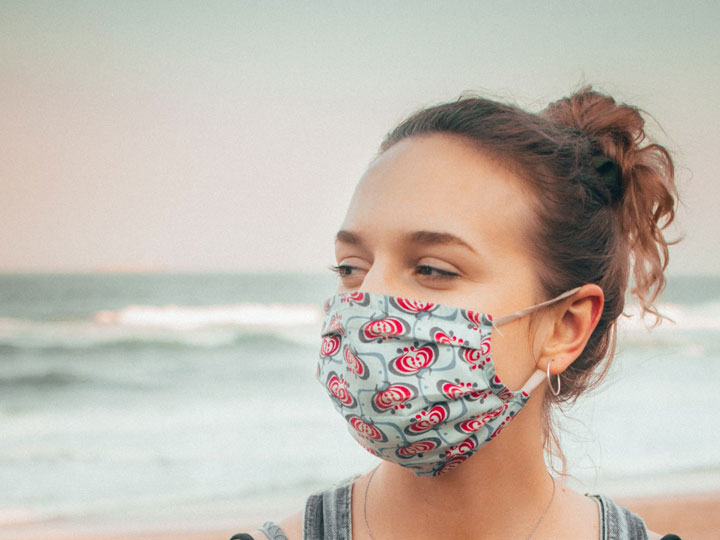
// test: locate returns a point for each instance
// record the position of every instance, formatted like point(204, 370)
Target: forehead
point(443, 183)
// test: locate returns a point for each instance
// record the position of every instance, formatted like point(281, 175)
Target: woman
point(483, 263)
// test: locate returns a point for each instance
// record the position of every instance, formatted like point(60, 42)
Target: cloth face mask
point(414, 380)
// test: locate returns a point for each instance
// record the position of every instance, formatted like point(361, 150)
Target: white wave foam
point(193, 317)
point(703, 317)
point(203, 326)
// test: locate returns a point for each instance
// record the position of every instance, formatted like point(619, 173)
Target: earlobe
point(575, 321)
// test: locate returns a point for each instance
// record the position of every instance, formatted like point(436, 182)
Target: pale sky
point(230, 135)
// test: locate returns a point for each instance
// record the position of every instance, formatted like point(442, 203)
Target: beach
point(691, 517)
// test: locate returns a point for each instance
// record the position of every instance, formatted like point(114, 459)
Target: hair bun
point(616, 129)
point(639, 177)
point(611, 175)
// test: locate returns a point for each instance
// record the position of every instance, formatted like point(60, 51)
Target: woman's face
point(434, 219)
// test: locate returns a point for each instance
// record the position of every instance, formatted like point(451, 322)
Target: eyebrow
point(426, 238)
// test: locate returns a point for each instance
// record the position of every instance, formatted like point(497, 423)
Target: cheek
point(512, 356)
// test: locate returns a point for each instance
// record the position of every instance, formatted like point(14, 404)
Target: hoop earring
point(547, 373)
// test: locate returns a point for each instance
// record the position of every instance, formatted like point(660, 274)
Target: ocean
point(156, 398)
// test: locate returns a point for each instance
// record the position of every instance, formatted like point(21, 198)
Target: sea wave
point(191, 326)
point(698, 317)
point(176, 317)
point(50, 379)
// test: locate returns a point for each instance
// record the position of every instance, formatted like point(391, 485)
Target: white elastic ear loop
point(535, 379)
point(512, 316)
point(496, 328)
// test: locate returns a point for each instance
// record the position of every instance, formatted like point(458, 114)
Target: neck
point(504, 488)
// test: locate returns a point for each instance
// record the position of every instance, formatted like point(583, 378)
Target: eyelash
point(444, 274)
point(341, 269)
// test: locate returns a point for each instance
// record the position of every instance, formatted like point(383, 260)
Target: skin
point(441, 183)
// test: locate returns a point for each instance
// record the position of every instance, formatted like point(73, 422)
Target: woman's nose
point(375, 280)
point(383, 278)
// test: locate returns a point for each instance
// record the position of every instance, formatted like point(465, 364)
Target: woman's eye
point(343, 270)
point(435, 273)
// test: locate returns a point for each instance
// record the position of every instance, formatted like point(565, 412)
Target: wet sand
point(691, 517)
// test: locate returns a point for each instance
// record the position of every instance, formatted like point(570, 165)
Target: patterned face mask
point(415, 380)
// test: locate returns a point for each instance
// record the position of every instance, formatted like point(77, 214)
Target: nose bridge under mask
point(380, 279)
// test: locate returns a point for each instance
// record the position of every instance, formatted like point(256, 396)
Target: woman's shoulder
point(620, 523)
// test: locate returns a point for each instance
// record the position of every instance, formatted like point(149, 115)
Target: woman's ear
point(574, 321)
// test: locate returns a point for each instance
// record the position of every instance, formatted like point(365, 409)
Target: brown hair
point(602, 200)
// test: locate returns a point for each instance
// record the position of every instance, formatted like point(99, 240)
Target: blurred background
point(171, 180)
